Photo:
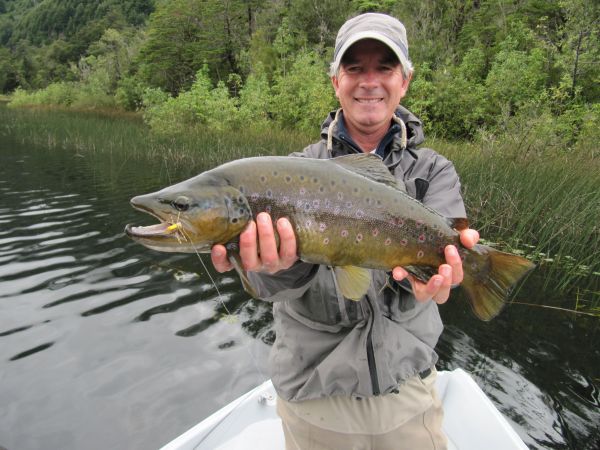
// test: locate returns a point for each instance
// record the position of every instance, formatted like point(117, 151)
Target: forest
point(482, 67)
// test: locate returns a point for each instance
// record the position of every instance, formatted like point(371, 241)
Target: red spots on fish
point(419, 223)
point(388, 241)
point(420, 254)
point(422, 238)
point(375, 232)
point(404, 242)
point(344, 233)
point(359, 237)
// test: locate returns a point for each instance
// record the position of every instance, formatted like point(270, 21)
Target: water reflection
point(98, 333)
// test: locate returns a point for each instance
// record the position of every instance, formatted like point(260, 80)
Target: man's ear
point(335, 84)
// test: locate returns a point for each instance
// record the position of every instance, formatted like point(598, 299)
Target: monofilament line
point(220, 298)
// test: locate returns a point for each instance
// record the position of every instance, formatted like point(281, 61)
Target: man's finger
point(455, 262)
point(249, 248)
point(269, 255)
point(218, 255)
point(288, 252)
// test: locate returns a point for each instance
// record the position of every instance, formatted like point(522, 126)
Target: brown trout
point(348, 212)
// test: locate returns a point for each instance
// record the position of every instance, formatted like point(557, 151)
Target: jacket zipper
point(371, 354)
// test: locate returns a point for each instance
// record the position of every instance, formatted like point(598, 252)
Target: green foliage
point(303, 96)
point(481, 67)
point(202, 105)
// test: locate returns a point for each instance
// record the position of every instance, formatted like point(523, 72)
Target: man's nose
point(369, 79)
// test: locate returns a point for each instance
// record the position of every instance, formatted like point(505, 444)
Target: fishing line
point(220, 299)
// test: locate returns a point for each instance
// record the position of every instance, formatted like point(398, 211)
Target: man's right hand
point(258, 247)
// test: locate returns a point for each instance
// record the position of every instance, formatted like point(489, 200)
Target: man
point(360, 374)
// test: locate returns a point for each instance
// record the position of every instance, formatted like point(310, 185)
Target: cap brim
point(371, 35)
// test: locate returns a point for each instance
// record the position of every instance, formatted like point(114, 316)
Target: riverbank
point(523, 191)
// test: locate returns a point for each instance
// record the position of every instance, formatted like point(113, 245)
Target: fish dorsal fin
point(369, 166)
point(352, 281)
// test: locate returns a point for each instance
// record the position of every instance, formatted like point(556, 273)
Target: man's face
point(369, 86)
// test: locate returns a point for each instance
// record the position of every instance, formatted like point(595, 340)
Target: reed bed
point(537, 199)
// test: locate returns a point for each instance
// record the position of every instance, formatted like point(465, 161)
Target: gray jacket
point(327, 345)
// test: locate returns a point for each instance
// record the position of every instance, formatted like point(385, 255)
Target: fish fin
point(369, 166)
point(421, 273)
point(458, 223)
point(352, 281)
point(489, 278)
point(235, 260)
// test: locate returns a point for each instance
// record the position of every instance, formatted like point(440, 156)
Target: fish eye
point(181, 203)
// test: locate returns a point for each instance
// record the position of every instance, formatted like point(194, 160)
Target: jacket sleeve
point(285, 284)
point(443, 194)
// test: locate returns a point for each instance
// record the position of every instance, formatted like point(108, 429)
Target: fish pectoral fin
point(421, 273)
point(353, 282)
point(235, 260)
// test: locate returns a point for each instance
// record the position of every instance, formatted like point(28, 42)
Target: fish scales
point(347, 212)
point(341, 217)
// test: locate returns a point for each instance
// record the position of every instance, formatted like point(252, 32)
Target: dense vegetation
point(481, 66)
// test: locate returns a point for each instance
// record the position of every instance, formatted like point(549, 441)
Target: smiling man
point(360, 374)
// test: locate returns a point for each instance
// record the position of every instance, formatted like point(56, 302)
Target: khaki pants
point(421, 432)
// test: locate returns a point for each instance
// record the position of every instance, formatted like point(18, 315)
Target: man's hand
point(438, 286)
point(258, 247)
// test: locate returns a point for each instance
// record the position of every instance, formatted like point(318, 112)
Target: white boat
point(471, 421)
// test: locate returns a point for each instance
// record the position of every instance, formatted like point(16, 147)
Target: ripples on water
point(105, 344)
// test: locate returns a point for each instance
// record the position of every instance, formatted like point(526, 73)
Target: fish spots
point(419, 223)
point(375, 232)
point(340, 196)
point(254, 196)
point(321, 189)
point(404, 242)
point(422, 238)
point(359, 238)
point(302, 191)
point(344, 233)
point(263, 179)
point(387, 242)
point(322, 227)
point(420, 254)
point(360, 214)
point(316, 203)
point(348, 204)
point(326, 241)
point(285, 200)
point(315, 180)
point(288, 179)
point(269, 193)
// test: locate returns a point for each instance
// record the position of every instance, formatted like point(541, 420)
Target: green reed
point(542, 202)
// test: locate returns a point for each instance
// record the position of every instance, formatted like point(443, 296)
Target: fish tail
point(489, 277)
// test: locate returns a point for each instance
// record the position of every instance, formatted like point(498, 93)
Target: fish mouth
point(158, 230)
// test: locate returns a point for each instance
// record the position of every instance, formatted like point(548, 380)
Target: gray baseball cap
point(380, 27)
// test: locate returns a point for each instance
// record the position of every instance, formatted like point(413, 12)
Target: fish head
point(193, 216)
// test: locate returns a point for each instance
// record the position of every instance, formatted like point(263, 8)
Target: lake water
point(106, 344)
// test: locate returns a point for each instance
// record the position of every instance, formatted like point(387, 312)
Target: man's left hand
point(449, 274)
